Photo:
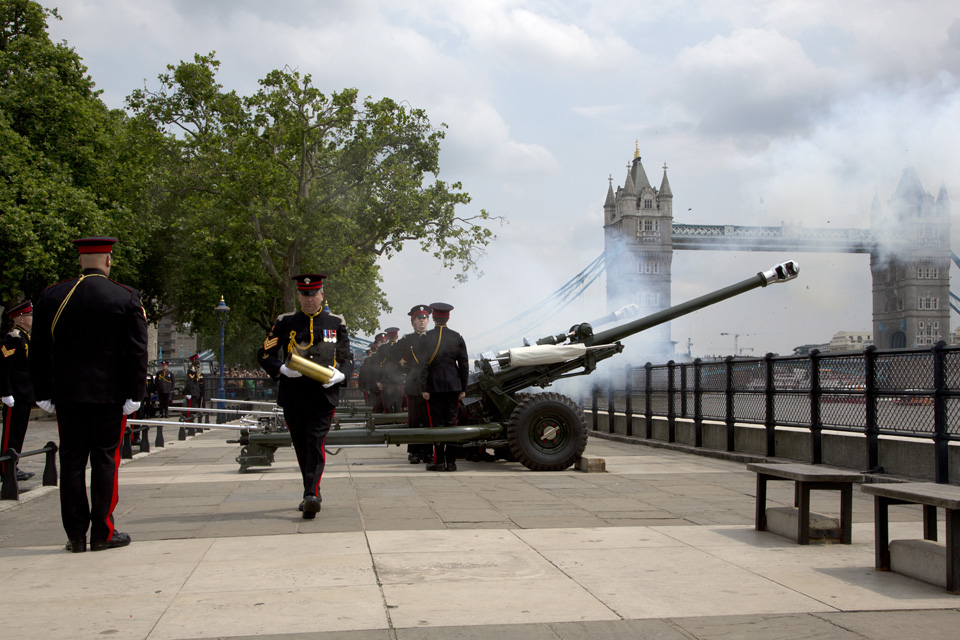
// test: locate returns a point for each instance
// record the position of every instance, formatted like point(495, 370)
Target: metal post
point(648, 403)
point(222, 309)
point(941, 436)
point(671, 410)
point(816, 426)
point(50, 465)
point(871, 428)
point(769, 420)
point(728, 391)
point(628, 388)
point(594, 392)
point(697, 404)
point(611, 407)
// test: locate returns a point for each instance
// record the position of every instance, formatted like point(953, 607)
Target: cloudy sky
point(811, 106)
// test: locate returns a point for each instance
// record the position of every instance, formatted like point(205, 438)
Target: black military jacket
point(96, 350)
point(165, 381)
point(404, 353)
point(329, 345)
point(192, 386)
point(15, 366)
point(442, 354)
point(389, 371)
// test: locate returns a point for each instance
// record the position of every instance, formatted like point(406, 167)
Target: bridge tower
point(911, 284)
point(638, 226)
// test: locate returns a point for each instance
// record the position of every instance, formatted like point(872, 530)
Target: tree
point(288, 180)
point(61, 170)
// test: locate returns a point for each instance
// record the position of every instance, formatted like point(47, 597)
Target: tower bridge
point(908, 242)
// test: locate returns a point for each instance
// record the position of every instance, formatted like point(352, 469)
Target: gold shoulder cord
point(63, 304)
point(294, 348)
point(439, 337)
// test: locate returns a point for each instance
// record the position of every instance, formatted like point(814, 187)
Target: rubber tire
point(537, 412)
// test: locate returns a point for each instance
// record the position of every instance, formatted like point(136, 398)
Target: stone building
point(911, 266)
point(638, 223)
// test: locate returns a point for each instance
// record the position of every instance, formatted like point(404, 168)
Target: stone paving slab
point(662, 545)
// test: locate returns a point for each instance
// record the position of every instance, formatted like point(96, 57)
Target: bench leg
point(881, 533)
point(929, 522)
point(953, 550)
point(846, 513)
point(802, 490)
point(761, 516)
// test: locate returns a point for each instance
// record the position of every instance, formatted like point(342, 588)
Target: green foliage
point(288, 180)
point(62, 173)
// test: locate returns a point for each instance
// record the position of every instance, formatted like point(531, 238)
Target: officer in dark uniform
point(308, 404)
point(373, 376)
point(404, 357)
point(89, 365)
point(165, 381)
point(16, 390)
point(191, 388)
point(390, 380)
point(444, 363)
point(363, 377)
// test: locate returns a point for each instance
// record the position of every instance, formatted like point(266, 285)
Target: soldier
point(16, 389)
point(442, 355)
point(165, 383)
point(308, 404)
point(390, 380)
point(363, 377)
point(89, 365)
point(191, 388)
point(373, 377)
point(404, 353)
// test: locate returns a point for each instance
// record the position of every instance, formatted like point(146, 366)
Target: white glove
point(188, 397)
point(290, 373)
point(47, 405)
point(130, 406)
point(8, 400)
point(336, 379)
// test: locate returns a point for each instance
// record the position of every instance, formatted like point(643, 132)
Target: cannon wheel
point(547, 432)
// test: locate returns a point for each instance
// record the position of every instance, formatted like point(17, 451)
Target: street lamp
point(222, 309)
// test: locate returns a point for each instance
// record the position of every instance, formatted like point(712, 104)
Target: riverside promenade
point(662, 545)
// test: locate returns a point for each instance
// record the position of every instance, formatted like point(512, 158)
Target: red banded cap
point(95, 245)
point(420, 310)
point(309, 283)
point(441, 309)
point(23, 308)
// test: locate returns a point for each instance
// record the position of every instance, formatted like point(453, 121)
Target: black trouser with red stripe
point(15, 421)
point(443, 406)
point(89, 431)
point(308, 426)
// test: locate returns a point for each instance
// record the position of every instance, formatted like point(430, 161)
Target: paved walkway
point(662, 545)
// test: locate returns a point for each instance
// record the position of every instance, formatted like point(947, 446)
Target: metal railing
point(913, 393)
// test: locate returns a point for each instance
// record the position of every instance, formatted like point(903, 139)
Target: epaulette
point(284, 315)
point(340, 318)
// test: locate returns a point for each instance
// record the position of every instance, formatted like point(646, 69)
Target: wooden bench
point(806, 478)
point(931, 495)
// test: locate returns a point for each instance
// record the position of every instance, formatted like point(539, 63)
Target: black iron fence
point(913, 393)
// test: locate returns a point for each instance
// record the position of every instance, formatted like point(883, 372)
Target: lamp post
point(222, 309)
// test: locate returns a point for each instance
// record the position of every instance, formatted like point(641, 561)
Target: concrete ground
point(662, 545)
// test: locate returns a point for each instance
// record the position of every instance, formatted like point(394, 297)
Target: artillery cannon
point(543, 431)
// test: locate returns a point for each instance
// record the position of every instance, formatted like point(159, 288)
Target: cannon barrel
point(779, 273)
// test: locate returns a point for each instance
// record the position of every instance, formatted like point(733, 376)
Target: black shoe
point(76, 546)
point(311, 506)
point(24, 475)
point(450, 466)
point(118, 540)
point(300, 508)
point(413, 458)
point(436, 466)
